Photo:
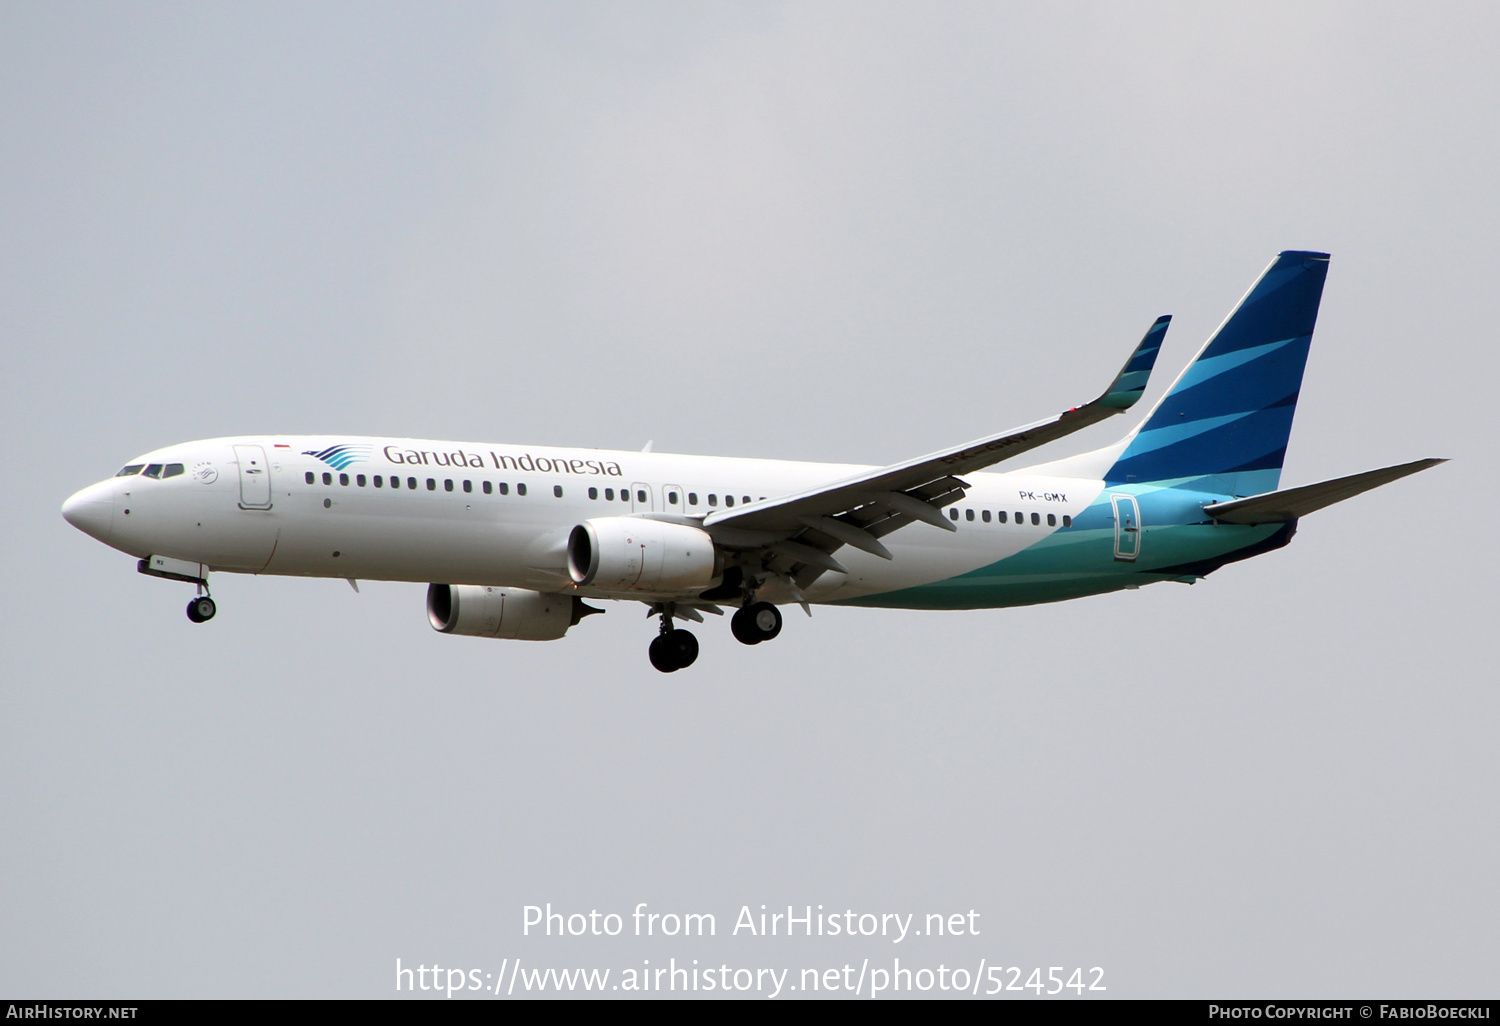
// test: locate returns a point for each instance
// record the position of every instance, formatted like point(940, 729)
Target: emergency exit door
point(640, 498)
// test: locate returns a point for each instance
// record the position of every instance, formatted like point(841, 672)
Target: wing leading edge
point(802, 530)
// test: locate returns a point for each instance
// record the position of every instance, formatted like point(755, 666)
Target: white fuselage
point(477, 513)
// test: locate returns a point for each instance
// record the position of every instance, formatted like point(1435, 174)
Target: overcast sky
point(844, 232)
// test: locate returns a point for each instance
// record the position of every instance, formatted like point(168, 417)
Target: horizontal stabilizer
point(1291, 503)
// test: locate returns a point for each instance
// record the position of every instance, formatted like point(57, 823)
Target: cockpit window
point(154, 470)
point(130, 471)
point(173, 469)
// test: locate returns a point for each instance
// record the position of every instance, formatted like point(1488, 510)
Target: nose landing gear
point(201, 609)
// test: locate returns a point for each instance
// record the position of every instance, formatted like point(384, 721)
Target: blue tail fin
point(1224, 424)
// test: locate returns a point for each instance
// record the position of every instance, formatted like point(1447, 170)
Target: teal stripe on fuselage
point(1076, 561)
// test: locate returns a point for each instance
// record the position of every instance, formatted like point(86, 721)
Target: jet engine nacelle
point(499, 612)
point(637, 555)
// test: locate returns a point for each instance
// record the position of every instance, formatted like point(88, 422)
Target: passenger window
point(395, 481)
point(327, 478)
point(969, 514)
point(310, 477)
point(448, 484)
point(379, 481)
point(411, 483)
point(671, 498)
point(984, 515)
point(557, 491)
point(431, 484)
point(1067, 520)
point(1051, 519)
point(1036, 519)
point(640, 495)
point(745, 499)
point(713, 500)
point(173, 469)
point(468, 485)
point(504, 488)
point(1020, 517)
point(487, 488)
point(729, 500)
point(593, 493)
point(344, 480)
point(609, 493)
point(952, 514)
point(135, 468)
point(359, 479)
point(692, 498)
point(1002, 516)
point(520, 489)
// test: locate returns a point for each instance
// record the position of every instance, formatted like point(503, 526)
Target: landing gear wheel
point(201, 609)
point(742, 628)
point(684, 647)
point(757, 622)
point(674, 650)
point(767, 620)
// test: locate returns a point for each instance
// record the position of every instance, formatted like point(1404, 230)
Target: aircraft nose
point(91, 510)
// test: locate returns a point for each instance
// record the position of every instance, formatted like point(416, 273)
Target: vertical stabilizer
point(1223, 425)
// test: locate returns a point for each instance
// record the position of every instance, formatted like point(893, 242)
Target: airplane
point(522, 536)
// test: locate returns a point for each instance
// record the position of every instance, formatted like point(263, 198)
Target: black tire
point(201, 609)
point(683, 646)
point(661, 654)
point(742, 626)
point(765, 620)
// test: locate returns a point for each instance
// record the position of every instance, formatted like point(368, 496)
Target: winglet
point(1131, 382)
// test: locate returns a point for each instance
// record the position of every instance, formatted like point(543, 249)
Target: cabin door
point(1127, 528)
point(255, 477)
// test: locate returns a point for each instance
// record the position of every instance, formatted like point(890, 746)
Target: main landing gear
point(674, 648)
point(756, 622)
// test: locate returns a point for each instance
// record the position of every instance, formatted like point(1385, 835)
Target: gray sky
point(852, 232)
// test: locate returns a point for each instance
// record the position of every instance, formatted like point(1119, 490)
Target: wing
point(801, 531)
